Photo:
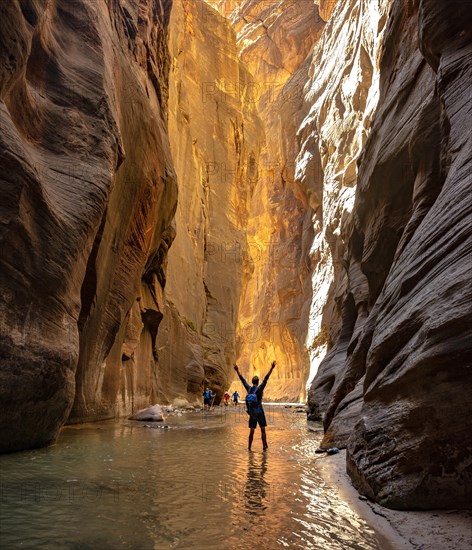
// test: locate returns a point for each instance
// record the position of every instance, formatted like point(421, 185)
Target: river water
point(119, 484)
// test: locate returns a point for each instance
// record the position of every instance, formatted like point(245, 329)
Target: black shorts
point(207, 401)
point(257, 418)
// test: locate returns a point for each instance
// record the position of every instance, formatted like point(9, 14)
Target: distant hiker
point(226, 397)
point(254, 405)
point(235, 398)
point(207, 395)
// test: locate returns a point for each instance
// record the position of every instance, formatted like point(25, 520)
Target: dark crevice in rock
point(89, 285)
point(152, 320)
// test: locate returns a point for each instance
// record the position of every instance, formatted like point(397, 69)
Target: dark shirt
point(259, 391)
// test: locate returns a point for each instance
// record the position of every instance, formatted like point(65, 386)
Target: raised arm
point(241, 377)
point(266, 377)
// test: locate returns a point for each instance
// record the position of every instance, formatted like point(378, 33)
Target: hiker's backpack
point(251, 400)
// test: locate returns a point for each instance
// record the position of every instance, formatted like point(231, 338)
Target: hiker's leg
point(263, 424)
point(251, 437)
point(264, 438)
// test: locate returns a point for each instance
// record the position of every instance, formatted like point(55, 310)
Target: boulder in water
point(153, 414)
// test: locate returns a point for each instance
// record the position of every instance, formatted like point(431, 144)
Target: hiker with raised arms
point(254, 405)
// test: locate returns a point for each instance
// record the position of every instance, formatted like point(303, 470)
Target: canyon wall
point(393, 388)
point(274, 40)
point(88, 197)
point(235, 289)
point(342, 95)
point(216, 138)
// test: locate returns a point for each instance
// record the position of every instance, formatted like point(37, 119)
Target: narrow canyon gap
point(190, 183)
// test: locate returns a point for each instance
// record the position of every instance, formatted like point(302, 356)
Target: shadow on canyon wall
point(392, 388)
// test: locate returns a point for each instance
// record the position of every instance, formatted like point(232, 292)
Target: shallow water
point(119, 484)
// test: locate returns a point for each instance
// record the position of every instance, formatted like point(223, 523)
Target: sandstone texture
point(243, 224)
point(216, 137)
point(275, 41)
point(392, 386)
point(341, 95)
point(88, 196)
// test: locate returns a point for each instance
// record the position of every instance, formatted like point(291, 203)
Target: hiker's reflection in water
point(257, 490)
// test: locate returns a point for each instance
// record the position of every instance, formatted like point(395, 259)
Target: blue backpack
point(251, 400)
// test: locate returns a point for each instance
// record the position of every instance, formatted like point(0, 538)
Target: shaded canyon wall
point(393, 387)
point(89, 194)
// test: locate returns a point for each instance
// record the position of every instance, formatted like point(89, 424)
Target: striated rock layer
point(342, 94)
point(88, 195)
point(393, 389)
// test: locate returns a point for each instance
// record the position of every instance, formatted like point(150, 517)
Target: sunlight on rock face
point(274, 41)
point(215, 140)
point(342, 94)
point(234, 156)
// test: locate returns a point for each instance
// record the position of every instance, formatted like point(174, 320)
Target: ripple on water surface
point(119, 485)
